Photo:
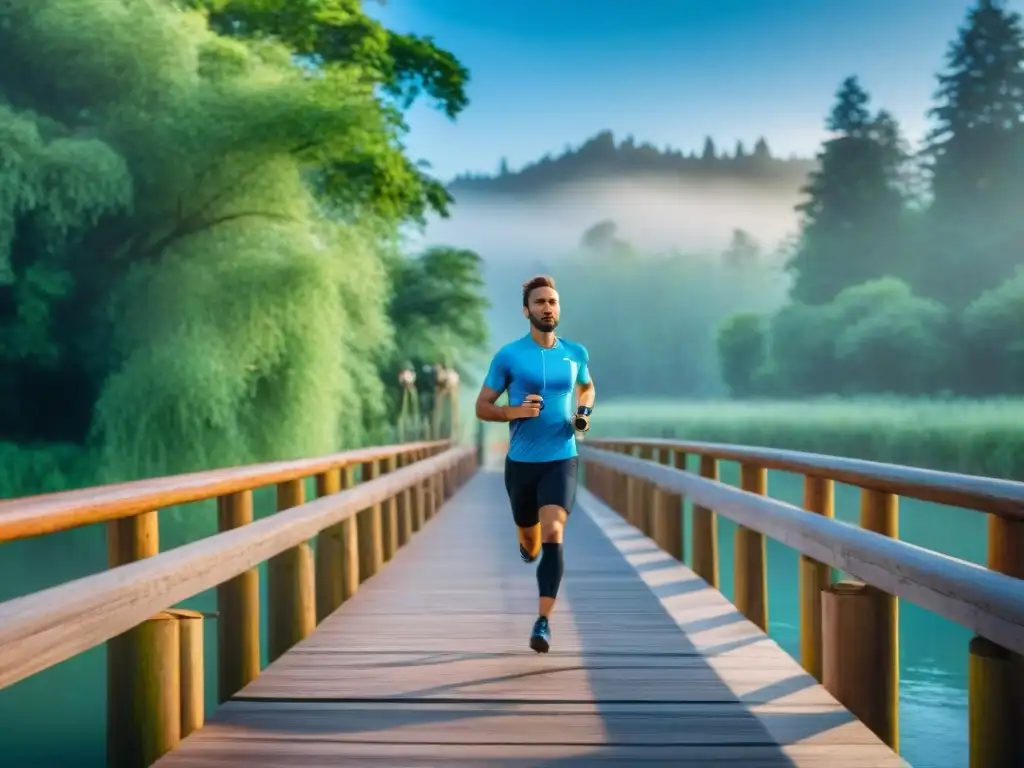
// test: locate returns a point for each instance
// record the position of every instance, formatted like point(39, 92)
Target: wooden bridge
point(398, 638)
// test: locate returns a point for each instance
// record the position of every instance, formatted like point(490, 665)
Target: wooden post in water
point(371, 545)
point(192, 669)
point(330, 554)
point(143, 679)
point(879, 512)
point(291, 584)
point(238, 606)
point(814, 578)
point(995, 676)
point(855, 655)
point(705, 531)
point(750, 562)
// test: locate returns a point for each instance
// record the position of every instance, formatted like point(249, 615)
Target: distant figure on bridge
point(540, 372)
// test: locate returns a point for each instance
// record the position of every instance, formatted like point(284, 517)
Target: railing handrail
point(984, 494)
point(42, 514)
point(44, 628)
point(987, 602)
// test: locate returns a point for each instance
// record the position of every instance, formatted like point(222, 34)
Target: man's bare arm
point(486, 410)
point(586, 394)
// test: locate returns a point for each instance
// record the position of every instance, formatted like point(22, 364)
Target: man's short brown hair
point(540, 281)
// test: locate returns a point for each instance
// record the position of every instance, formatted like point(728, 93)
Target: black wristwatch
point(584, 411)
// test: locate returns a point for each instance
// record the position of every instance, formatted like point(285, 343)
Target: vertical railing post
point(291, 584)
point(814, 578)
point(705, 530)
point(750, 559)
point(995, 676)
point(879, 512)
point(143, 664)
point(329, 552)
point(404, 504)
point(371, 545)
point(238, 606)
point(389, 515)
point(854, 646)
point(192, 669)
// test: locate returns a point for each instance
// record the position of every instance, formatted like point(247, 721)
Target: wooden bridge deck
point(429, 666)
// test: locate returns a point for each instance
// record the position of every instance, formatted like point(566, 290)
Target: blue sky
point(550, 72)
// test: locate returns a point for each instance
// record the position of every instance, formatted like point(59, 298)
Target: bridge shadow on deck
point(428, 665)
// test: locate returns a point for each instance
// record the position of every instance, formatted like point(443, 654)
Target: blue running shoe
point(540, 640)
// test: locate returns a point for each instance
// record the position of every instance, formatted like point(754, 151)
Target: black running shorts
point(532, 485)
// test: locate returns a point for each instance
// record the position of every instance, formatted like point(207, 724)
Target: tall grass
point(983, 437)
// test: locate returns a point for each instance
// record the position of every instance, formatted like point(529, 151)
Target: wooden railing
point(849, 636)
point(154, 652)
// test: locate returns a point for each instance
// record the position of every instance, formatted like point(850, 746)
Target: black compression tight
point(550, 569)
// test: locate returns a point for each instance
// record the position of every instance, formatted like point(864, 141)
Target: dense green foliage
point(907, 272)
point(199, 233)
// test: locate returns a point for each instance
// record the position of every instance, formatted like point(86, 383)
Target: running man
point(540, 372)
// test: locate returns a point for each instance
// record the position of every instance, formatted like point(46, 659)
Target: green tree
point(853, 215)
point(174, 264)
point(742, 352)
point(438, 308)
point(977, 158)
point(328, 34)
point(887, 340)
point(993, 339)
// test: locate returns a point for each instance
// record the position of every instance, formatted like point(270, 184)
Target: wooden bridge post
point(646, 491)
point(750, 561)
point(404, 505)
point(389, 515)
point(419, 499)
point(672, 511)
point(329, 553)
point(814, 578)
point(143, 664)
point(633, 499)
point(995, 677)
point(238, 606)
point(371, 545)
point(192, 669)
point(879, 512)
point(855, 623)
point(705, 530)
point(144, 693)
point(291, 584)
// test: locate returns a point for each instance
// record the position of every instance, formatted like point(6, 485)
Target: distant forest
point(905, 274)
point(602, 157)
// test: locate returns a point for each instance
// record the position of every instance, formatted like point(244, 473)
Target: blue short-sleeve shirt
point(522, 368)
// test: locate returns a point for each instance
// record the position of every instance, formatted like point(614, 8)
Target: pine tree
point(854, 207)
point(976, 154)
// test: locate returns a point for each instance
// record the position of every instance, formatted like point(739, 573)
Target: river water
point(56, 718)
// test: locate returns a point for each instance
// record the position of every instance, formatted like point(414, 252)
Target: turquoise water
point(933, 651)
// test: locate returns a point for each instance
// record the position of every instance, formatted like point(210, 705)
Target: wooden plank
point(428, 665)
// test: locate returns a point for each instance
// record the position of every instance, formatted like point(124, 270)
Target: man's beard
point(544, 326)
